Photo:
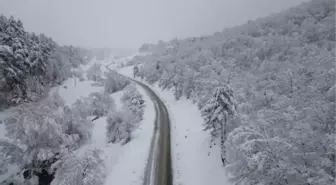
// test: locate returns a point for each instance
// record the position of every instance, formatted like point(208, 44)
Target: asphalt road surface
point(159, 167)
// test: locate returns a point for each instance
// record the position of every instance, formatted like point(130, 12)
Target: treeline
point(31, 63)
point(266, 90)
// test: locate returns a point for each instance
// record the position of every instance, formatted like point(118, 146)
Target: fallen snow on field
point(194, 162)
point(127, 71)
point(70, 91)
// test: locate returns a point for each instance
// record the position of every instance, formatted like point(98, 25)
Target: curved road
point(158, 169)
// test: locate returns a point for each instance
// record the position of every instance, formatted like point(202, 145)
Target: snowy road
point(159, 169)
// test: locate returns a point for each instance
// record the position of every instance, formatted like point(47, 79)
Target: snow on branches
point(84, 168)
point(122, 123)
point(41, 132)
point(218, 112)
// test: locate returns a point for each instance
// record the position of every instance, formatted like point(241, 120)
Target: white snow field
point(194, 162)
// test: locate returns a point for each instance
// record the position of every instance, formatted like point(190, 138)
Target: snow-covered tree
point(114, 82)
point(255, 158)
point(78, 73)
point(38, 129)
point(100, 103)
point(166, 79)
point(10, 153)
point(119, 126)
point(82, 107)
point(40, 132)
point(152, 72)
point(30, 63)
point(133, 101)
point(135, 71)
point(77, 128)
point(218, 114)
point(80, 168)
point(94, 72)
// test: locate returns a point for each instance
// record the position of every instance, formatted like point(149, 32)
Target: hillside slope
point(266, 90)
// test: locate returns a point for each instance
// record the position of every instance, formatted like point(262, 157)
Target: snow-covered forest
point(30, 64)
point(252, 104)
point(48, 136)
point(266, 90)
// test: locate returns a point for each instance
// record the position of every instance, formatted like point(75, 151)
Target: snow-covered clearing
point(70, 91)
point(194, 162)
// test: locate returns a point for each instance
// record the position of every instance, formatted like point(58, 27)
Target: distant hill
point(106, 53)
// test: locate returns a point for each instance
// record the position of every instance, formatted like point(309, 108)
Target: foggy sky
point(130, 23)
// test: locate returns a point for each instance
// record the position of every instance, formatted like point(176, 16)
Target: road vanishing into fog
point(158, 170)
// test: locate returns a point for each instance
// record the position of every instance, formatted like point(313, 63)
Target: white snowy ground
point(194, 163)
point(125, 164)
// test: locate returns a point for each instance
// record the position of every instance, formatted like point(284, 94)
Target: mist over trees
point(282, 73)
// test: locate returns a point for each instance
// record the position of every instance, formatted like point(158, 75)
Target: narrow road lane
point(159, 169)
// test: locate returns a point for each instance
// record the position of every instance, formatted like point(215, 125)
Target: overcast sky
point(130, 23)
